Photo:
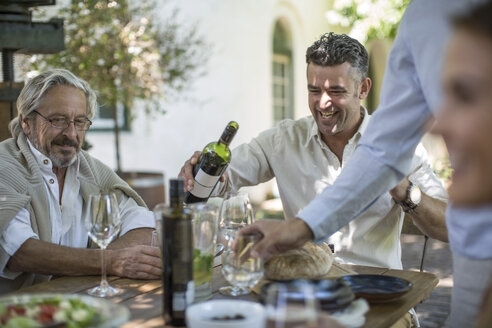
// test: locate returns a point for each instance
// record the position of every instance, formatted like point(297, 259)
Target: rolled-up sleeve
point(17, 232)
point(134, 216)
point(425, 176)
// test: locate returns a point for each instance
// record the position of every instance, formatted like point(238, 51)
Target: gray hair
point(335, 49)
point(36, 88)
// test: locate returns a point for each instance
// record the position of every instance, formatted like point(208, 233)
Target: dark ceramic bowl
point(377, 288)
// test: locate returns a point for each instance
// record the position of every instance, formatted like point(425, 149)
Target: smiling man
point(308, 154)
point(45, 183)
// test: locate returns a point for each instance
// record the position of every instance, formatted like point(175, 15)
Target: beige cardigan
point(22, 185)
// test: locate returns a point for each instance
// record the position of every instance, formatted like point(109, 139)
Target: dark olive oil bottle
point(177, 256)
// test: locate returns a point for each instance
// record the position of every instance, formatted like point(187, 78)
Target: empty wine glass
point(103, 225)
point(236, 212)
point(239, 268)
point(291, 304)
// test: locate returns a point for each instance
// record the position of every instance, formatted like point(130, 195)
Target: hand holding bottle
point(204, 169)
point(186, 172)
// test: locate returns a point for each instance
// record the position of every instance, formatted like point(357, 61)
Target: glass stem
point(104, 281)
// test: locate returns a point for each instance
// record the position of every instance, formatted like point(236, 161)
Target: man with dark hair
point(308, 154)
point(410, 96)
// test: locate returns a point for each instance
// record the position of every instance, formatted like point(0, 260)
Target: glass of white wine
point(240, 268)
point(103, 225)
point(236, 212)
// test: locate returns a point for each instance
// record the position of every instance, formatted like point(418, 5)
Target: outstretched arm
point(140, 262)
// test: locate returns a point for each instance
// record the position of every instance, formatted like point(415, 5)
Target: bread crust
point(311, 261)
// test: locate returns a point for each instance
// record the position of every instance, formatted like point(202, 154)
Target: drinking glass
point(155, 240)
point(204, 240)
point(291, 304)
point(236, 212)
point(239, 268)
point(103, 225)
point(157, 233)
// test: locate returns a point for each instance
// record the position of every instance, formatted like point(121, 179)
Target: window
point(103, 121)
point(281, 84)
point(282, 76)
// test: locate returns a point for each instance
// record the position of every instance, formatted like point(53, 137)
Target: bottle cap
point(229, 132)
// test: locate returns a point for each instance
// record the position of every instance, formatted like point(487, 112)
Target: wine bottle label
point(179, 301)
point(204, 183)
point(190, 292)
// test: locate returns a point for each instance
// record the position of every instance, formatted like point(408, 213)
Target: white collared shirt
point(67, 218)
point(409, 95)
point(304, 166)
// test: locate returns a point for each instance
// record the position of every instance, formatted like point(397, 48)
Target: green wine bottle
point(212, 163)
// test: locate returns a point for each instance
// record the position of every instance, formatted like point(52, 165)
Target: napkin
point(352, 316)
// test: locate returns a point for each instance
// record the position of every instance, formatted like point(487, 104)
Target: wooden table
point(144, 297)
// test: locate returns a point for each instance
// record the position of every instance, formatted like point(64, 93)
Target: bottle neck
point(176, 193)
point(176, 201)
point(227, 136)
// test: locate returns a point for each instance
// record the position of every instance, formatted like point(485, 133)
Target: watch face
point(415, 194)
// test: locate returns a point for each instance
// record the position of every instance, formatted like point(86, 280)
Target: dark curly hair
point(335, 49)
point(479, 19)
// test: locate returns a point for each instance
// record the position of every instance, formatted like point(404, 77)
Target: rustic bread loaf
point(310, 261)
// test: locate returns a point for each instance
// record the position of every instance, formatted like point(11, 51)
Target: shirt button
point(46, 162)
point(52, 181)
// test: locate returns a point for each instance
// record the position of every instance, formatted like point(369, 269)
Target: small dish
point(225, 314)
point(377, 288)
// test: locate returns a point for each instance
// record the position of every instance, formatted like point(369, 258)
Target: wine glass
point(103, 225)
point(236, 212)
point(239, 268)
point(291, 304)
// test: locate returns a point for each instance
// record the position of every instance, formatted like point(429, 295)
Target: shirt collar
point(314, 133)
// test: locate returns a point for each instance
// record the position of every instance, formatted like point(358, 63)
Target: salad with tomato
point(40, 312)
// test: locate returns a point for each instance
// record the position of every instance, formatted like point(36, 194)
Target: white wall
point(235, 87)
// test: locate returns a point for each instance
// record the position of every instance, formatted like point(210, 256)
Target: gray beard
point(57, 162)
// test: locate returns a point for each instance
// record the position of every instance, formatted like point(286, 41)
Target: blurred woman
point(465, 122)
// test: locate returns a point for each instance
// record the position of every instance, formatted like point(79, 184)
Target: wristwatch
point(413, 198)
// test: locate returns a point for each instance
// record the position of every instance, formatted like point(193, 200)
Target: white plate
point(200, 315)
point(112, 314)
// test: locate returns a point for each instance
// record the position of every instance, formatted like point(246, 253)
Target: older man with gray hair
point(45, 182)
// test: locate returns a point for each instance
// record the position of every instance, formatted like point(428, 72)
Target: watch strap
point(408, 205)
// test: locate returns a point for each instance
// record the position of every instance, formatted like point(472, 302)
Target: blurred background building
point(250, 67)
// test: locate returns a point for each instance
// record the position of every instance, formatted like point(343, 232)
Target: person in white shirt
point(45, 182)
point(409, 97)
point(308, 154)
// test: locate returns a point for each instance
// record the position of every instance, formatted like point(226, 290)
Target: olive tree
point(125, 54)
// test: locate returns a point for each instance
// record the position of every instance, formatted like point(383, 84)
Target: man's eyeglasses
point(60, 122)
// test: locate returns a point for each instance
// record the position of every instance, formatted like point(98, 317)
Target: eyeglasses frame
point(67, 121)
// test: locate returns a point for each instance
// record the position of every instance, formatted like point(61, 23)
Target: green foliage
point(444, 170)
point(368, 19)
point(124, 54)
